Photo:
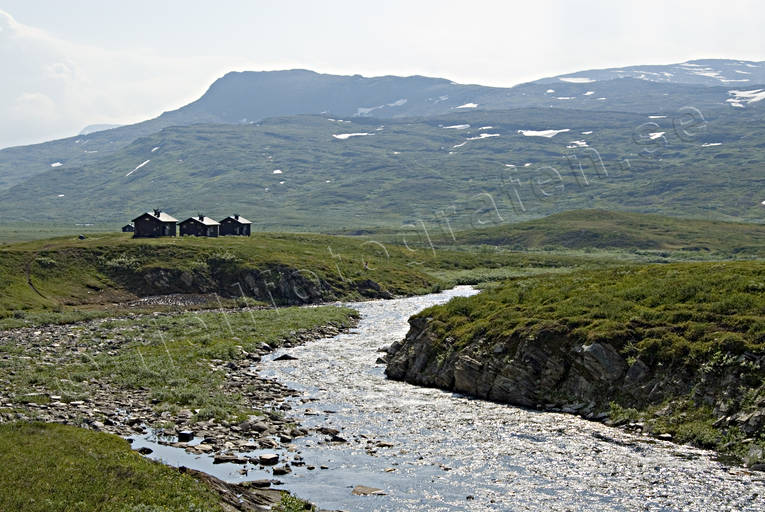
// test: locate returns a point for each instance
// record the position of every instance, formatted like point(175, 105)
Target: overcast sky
point(69, 64)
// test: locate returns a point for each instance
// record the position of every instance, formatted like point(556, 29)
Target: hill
point(602, 229)
point(63, 275)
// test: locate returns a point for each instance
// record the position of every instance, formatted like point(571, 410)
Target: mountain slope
point(363, 172)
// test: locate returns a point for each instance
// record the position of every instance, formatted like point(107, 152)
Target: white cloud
point(59, 87)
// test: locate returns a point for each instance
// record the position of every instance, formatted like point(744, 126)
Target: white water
point(448, 447)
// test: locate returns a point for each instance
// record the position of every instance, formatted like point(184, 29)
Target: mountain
point(709, 72)
point(248, 97)
point(92, 128)
point(220, 152)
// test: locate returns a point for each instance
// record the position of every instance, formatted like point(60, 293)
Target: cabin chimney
point(157, 212)
point(236, 216)
point(201, 217)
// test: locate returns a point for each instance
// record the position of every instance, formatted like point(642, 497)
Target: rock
point(328, 431)
point(363, 490)
point(145, 450)
point(381, 360)
point(636, 373)
point(603, 362)
point(285, 357)
point(229, 459)
point(260, 484)
point(253, 424)
point(268, 459)
point(282, 470)
point(757, 467)
point(184, 436)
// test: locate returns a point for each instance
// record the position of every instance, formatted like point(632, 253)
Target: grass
point(50, 467)
point(677, 313)
point(167, 357)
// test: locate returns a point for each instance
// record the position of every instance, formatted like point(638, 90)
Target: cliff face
point(547, 370)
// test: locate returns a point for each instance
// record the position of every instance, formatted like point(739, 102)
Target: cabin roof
point(207, 221)
point(240, 220)
point(162, 217)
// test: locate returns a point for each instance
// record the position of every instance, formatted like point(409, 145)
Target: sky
point(65, 65)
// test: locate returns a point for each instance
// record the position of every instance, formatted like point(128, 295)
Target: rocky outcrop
point(276, 283)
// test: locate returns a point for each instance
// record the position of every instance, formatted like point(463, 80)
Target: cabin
point(154, 224)
point(235, 225)
point(128, 228)
point(199, 226)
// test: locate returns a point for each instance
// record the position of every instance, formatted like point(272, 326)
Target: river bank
point(675, 352)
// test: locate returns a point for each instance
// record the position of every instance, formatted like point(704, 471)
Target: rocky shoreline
point(130, 412)
point(547, 372)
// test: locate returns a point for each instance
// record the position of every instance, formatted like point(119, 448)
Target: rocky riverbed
point(134, 415)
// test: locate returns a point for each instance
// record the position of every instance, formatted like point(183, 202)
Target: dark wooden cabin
point(199, 226)
point(154, 224)
point(235, 225)
point(128, 228)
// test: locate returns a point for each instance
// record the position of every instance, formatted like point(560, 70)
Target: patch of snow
point(734, 81)
point(457, 127)
point(60, 195)
point(657, 117)
point(527, 164)
point(549, 91)
point(751, 66)
point(155, 149)
point(564, 98)
point(485, 128)
point(282, 182)
point(344, 136)
point(396, 152)
point(459, 145)
point(509, 165)
point(542, 133)
point(742, 72)
point(600, 99)
point(327, 181)
point(577, 144)
point(484, 136)
point(468, 105)
point(576, 80)
point(587, 132)
point(589, 93)
point(740, 97)
point(656, 135)
point(138, 167)
point(277, 171)
point(398, 103)
point(56, 164)
point(710, 144)
point(91, 151)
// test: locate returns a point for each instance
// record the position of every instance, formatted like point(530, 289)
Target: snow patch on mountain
point(542, 133)
point(137, 167)
point(344, 136)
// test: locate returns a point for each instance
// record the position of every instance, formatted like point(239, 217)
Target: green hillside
point(406, 171)
point(602, 229)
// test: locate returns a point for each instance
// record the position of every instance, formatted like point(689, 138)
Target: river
point(432, 450)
